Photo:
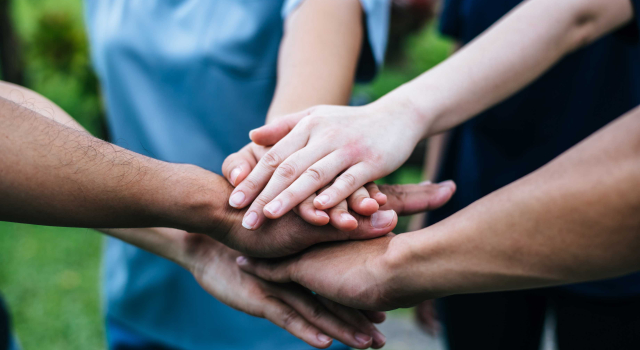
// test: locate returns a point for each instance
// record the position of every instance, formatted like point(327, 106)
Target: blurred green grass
point(50, 279)
point(50, 276)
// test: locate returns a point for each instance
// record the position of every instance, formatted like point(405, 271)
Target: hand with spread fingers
point(364, 201)
point(311, 318)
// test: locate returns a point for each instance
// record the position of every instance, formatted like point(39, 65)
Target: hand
point(290, 235)
point(364, 201)
point(365, 274)
point(311, 318)
point(355, 144)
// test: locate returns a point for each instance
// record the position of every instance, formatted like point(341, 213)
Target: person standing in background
point(185, 82)
point(582, 93)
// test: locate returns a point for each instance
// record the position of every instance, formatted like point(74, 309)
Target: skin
point(322, 44)
point(55, 173)
point(573, 220)
point(351, 146)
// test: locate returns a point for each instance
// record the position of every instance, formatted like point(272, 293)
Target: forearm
point(55, 174)
point(37, 103)
point(573, 220)
point(508, 56)
point(318, 56)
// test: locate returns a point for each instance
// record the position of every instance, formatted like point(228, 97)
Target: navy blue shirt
point(582, 93)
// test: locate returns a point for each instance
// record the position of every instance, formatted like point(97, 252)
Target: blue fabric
point(121, 337)
point(581, 94)
point(185, 81)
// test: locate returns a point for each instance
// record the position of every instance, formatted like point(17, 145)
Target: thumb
point(412, 199)
point(270, 134)
point(274, 271)
point(238, 165)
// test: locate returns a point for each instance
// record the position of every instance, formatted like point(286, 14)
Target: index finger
point(248, 189)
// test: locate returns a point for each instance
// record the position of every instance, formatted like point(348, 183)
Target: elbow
point(590, 19)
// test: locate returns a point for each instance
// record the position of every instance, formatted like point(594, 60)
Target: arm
point(318, 56)
point(55, 173)
point(52, 172)
point(367, 143)
point(316, 65)
point(313, 319)
point(575, 219)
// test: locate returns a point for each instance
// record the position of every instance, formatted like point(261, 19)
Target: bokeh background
point(50, 276)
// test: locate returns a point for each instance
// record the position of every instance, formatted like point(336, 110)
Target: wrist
point(198, 201)
point(416, 113)
point(416, 265)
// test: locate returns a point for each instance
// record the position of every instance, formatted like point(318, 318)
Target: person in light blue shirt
point(185, 81)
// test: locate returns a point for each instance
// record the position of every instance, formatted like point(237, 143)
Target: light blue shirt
point(185, 81)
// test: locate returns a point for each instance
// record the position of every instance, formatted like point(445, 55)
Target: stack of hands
point(273, 261)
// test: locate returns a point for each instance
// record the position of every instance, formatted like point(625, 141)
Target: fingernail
point(321, 213)
point(425, 182)
point(250, 220)
point(241, 260)
point(323, 199)
point(234, 175)
point(379, 337)
point(444, 190)
point(362, 338)
point(236, 199)
point(448, 183)
point(347, 217)
point(382, 218)
point(273, 207)
point(323, 338)
point(369, 200)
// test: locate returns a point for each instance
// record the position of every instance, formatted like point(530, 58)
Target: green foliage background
point(50, 276)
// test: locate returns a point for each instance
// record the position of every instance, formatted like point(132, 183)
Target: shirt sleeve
point(631, 32)
point(450, 22)
point(376, 24)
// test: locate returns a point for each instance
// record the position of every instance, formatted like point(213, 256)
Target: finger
point(411, 199)
point(374, 192)
point(248, 189)
point(361, 202)
point(277, 198)
point(238, 165)
point(348, 331)
point(269, 270)
point(310, 214)
point(375, 316)
point(271, 133)
point(355, 317)
point(314, 178)
point(341, 218)
point(284, 316)
point(343, 186)
point(376, 225)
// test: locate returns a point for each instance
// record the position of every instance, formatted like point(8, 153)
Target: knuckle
point(261, 201)
point(249, 184)
point(271, 160)
point(348, 179)
point(317, 311)
point(289, 317)
point(287, 171)
point(315, 174)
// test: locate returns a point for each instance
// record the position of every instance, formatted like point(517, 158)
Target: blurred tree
point(11, 64)
point(407, 17)
point(60, 68)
